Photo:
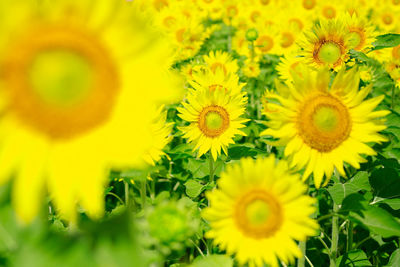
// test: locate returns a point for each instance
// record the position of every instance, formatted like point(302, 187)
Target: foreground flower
point(258, 211)
point(321, 126)
point(75, 84)
point(214, 117)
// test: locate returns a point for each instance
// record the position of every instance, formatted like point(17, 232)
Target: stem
point(143, 192)
point(301, 262)
point(114, 195)
point(349, 236)
point(211, 168)
point(126, 189)
point(335, 236)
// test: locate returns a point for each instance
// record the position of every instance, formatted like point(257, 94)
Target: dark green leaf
point(353, 258)
point(385, 183)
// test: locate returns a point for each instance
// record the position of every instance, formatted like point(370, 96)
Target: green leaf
point(385, 183)
point(386, 40)
point(213, 261)
point(394, 260)
point(394, 203)
point(353, 258)
point(240, 151)
point(198, 168)
point(339, 191)
point(375, 219)
point(193, 188)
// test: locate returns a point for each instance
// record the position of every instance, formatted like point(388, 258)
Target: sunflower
point(214, 117)
point(77, 99)
point(361, 33)
point(322, 127)
point(207, 78)
point(221, 60)
point(287, 65)
point(259, 211)
point(326, 44)
point(161, 134)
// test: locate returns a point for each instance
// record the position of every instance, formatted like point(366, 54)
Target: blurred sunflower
point(322, 127)
point(77, 100)
point(258, 211)
point(214, 117)
point(221, 60)
point(161, 134)
point(326, 44)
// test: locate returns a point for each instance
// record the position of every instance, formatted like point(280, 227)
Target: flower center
point(323, 122)
point(356, 38)
point(396, 52)
point(297, 24)
point(61, 80)
point(309, 4)
point(213, 121)
point(287, 39)
point(396, 2)
point(265, 43)
point(264, 2)
point(329, 53)
point(329, 12)
point(258, 214)
point(60, 77)
point(387, 19)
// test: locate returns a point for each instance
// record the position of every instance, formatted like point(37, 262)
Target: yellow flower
point(161, 134)
point(214, 117)
point(289, 64)
point(259, 211)
point(361, 33)
point(216, 80)
point(322, 127)
point(326, 44)
point(221, 60)
point(80, 81)
point(251, 68)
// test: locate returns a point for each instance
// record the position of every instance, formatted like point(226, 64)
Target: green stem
point(349, 236)
point(143, 192)
point(335, 236)
point(116, 196)
point(302, 261)
point(211, 168)
point(126, 189)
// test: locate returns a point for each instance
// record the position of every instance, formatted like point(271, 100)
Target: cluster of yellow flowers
point(83, 83)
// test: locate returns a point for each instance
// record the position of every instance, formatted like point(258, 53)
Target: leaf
point(375, 219)
point(213, 261)
point(385, 183)
point(394, 203)
point(394, 260)
point(386, 40)
point(193, 188)
point(353, 258)
point(339, 190)
point(240, 151)
point(198, 168)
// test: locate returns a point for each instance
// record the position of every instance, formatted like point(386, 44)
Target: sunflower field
point(200, 133)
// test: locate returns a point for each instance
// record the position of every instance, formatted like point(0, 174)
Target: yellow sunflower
point(161, 134)
point(326, 44)
point(221, 60)
point(322, 127)
point(79, 82)
point(361, 33)
point(214, 117)
point(259, 211)
point(216, 79)
point(287, 65)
